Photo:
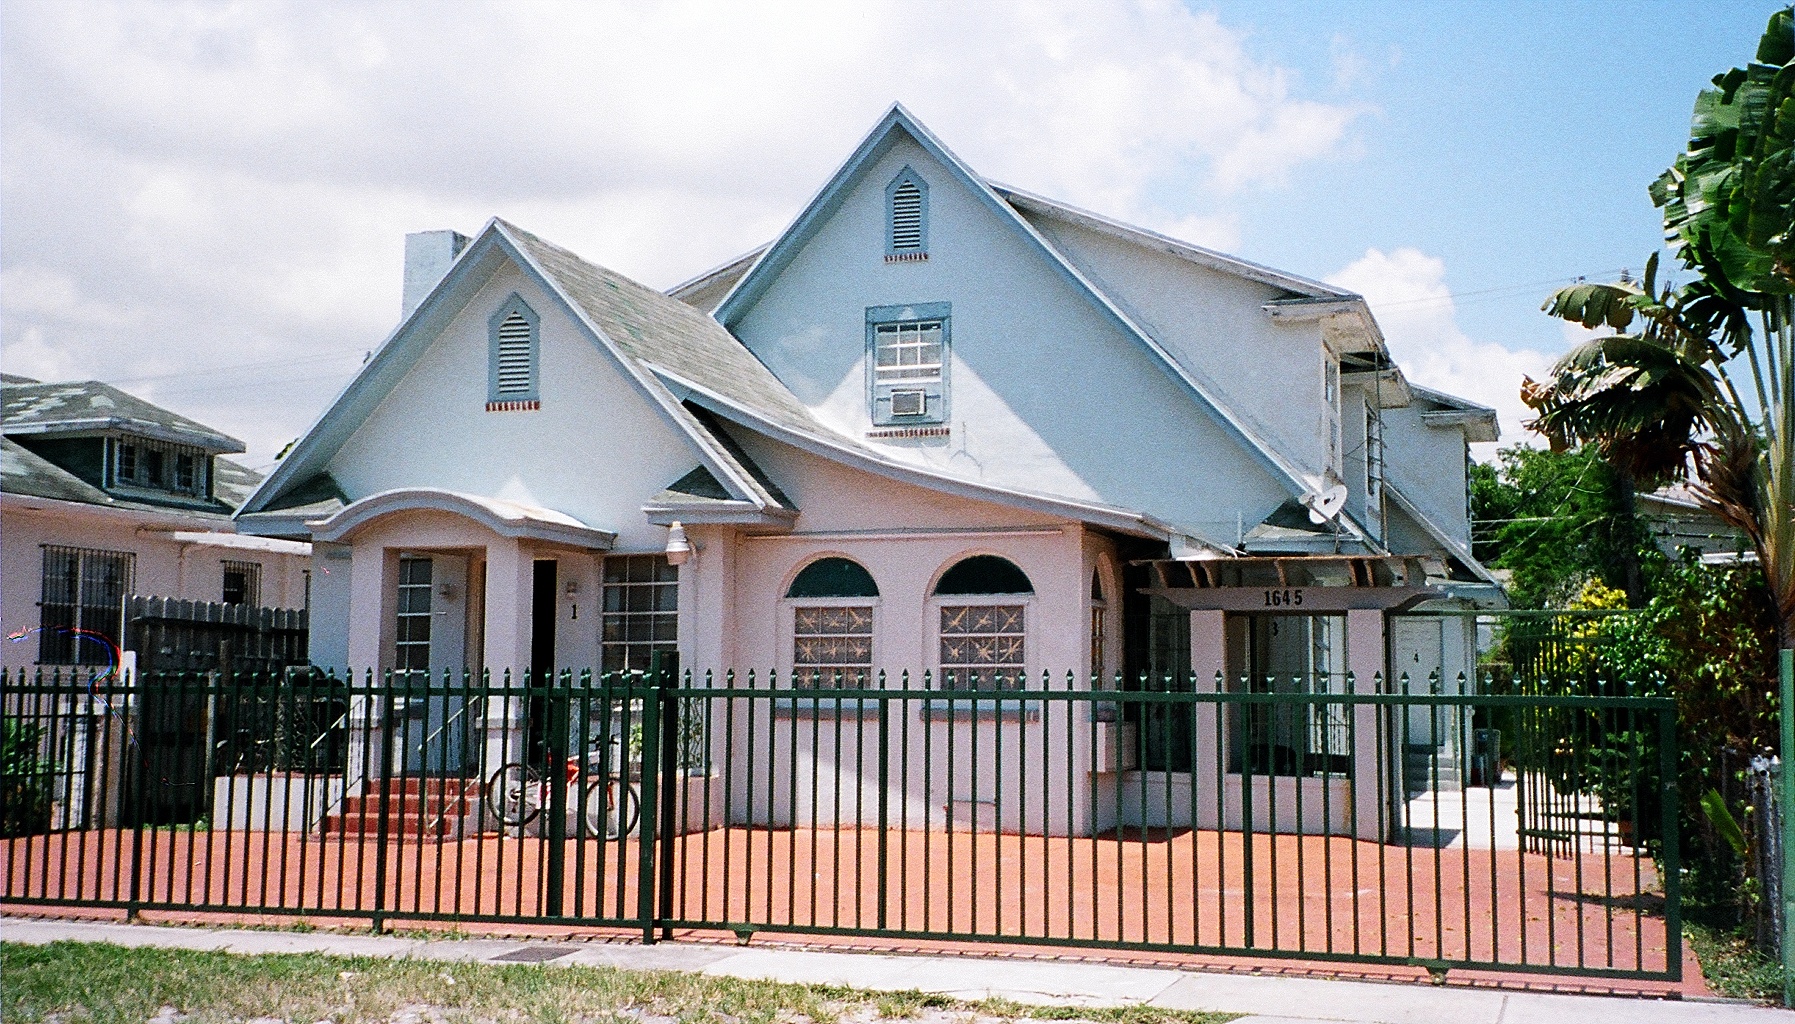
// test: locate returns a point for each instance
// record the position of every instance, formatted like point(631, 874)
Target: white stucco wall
point(1428, 465)
point(597, 449)
point(164, 567)
point(1046, 394)
point(1268, 374)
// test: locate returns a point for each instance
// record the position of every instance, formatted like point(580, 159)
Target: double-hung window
point(909, 350)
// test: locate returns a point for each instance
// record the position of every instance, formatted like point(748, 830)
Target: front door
point(1417, 655)
point(431, 645)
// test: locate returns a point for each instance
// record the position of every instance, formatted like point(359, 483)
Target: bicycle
point(517, 793)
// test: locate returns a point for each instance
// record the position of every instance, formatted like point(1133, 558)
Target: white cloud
point(232, 183)
point(1407, 291)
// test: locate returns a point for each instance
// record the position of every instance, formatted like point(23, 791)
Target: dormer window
point(513, 360)
point(906, 218)
point(146, 465)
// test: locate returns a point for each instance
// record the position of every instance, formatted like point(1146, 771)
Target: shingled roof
point(86, 406)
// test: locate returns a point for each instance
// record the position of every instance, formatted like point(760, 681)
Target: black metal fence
point(888, 806)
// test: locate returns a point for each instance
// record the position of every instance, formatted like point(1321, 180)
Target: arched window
point(513, 363)
point(984, 574)
point(906, 218)
point(833, 577)
point(832, 624)
point(983, 624)
point(1099, 630)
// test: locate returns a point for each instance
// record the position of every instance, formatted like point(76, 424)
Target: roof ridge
point(1264, 273)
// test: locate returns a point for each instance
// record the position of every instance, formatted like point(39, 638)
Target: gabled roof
point(1029, 202)
point(1460, 551)
point(674, 353)
point(89, 406)
point(1479, 421)
point(708, 289)
point(898, 123)
point(626, 320)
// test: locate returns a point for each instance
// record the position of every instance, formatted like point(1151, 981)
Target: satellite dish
point(1327, 504)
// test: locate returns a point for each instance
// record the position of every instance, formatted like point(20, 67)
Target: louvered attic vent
point(513, 382)
point(514, 356)
point(907, 240)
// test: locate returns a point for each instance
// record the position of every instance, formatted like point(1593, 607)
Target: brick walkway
point(1313, 896)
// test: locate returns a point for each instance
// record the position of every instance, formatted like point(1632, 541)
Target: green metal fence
point(895, 805)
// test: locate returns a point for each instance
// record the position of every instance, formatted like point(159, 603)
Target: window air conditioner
point(908, 403)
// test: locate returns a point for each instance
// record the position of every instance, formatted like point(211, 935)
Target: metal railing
point(1311, 819)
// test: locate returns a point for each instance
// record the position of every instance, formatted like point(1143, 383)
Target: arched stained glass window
point(834, 577)
point(984, 574)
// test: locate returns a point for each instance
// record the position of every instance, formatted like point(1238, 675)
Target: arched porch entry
point(445, 583)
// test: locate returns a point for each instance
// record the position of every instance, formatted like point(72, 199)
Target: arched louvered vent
point(514, 356)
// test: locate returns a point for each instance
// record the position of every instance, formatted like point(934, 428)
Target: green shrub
point(25, 783)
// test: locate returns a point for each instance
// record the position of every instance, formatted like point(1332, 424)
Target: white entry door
point(1416, 651)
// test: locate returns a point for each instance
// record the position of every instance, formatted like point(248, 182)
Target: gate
point(1569, 762)
point(906, 807)
point(179, 731)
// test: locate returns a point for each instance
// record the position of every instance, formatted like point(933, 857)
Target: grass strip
point(77, 982)
point(1732, 965)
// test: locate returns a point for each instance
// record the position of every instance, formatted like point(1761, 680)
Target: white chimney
point(428, 256)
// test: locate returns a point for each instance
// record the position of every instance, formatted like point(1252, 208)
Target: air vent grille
point(514, 371)
point(906, 217)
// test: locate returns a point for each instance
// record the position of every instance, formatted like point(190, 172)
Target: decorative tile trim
point(941, 431)
point(906, 257)
point(519, 405)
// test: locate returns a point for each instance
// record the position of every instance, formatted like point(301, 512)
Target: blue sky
point(1513, 141)
point(206, 202)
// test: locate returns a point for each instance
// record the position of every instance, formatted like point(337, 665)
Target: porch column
point(370, 623)
point(1365, 660)
point(1208, 661)
point(510, 591)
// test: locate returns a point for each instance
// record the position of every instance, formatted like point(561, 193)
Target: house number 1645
point(1283, 598)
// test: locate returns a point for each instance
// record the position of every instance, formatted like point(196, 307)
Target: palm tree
point(1662, 402)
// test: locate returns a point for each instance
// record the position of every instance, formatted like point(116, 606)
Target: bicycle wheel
point(611, 809)
point(514, 794)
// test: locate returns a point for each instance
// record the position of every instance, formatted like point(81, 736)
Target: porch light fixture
point(679, 549)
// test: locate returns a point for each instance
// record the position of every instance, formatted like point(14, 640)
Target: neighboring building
point(103, 495)
point(1678, 521)
point(938, 425)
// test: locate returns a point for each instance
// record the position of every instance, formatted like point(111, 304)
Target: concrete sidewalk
point(1271, 1000)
